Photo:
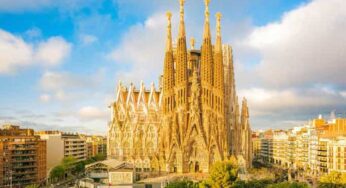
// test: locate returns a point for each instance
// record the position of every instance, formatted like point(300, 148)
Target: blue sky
point(60, 61)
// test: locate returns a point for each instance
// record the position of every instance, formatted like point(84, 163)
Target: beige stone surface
point(192, 119)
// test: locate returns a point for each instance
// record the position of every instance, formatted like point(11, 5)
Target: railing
point(98, 175)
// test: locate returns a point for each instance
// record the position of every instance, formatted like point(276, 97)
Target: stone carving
point(192, 119)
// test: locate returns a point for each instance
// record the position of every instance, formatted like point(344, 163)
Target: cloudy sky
point(60, 61)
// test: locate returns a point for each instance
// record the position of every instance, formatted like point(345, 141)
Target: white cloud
point(53, 51)
point(21, 54)
point(92, 113)
point(64, 86)
point(18, 52)
point(142, 48)
point(343, 93)
point(56, 81)
point(273, 101)
point(307, 46)
point(45, 97)
point(87, 39)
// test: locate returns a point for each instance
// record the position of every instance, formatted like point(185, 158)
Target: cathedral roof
point(138, 97)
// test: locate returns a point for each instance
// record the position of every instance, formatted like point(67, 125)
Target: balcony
point(20, 160)
point(24, 172)
point(23, 178)
point(23, 153)
point(21, 166)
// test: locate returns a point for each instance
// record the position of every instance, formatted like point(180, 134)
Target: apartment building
point(55, 147)
point(316, 148)
point(23, 159)
point(267, 146)
point(256, 144)
point(332, 155)
point(291, 152)
point(60, 145)
point(323, 157)
point(75, 146)
point(97, 145)
point(280, 145)
point(302, 147)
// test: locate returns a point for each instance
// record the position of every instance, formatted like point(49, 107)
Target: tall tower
point(168, 71)
point(219, 84)
point(219, 87)
point(194, 119)
point(181, 77)
point(246, 142)
point(207, 62)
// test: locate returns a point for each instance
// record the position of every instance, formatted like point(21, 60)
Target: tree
point(252, 184)
point(69, 162)
point(288, 185)
point(80, 167)
point(57, 173)
point(100, 157)
point(333, 179)
point(32, 186)
point(223, 174)
point(185, 183)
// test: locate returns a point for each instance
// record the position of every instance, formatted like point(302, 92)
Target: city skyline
point(288, 60)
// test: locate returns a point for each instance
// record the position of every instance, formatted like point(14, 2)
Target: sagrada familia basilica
point(192, 119)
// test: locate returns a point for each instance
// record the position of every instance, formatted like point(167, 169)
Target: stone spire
point(168, 72)
point(218, 58)
point(218, 44)
point(244, 114)
point(181, 78)
point(207, 53)
point(182, 23)
point(206, 23)
point(169, 32)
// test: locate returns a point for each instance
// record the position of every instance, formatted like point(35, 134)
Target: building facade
point(61, 145)
point(55, 148)
point(316, 148)
point(23, 157)
point(97, 145)
point(192, 119)
point(74, 146)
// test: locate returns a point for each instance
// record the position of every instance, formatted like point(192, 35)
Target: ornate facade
point(192, 119)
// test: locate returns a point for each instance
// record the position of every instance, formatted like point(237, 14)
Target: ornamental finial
point(218, 23)
point(192, 43)
point(181, 2)
point(169, 16)
point(207, 8)
point(206, 2)
point(169, 32)
point(218, 15)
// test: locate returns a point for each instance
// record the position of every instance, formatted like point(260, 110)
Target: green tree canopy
point(333, 179)
point(185, 183)
point(288, 185)
point(57, 172)
point(223, 174)
point(32, 186)
point(68, 162)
